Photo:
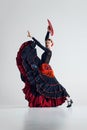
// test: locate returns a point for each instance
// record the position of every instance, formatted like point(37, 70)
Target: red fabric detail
point(46, 70)
point(41, 101)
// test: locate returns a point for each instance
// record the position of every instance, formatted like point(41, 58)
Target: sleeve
point(47, 35)
point(39, 44)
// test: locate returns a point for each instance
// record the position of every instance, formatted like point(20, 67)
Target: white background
point(69, 61)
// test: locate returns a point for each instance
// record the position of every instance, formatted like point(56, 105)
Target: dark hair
point(51, 41)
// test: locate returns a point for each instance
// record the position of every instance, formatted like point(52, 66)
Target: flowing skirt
point(41, 89)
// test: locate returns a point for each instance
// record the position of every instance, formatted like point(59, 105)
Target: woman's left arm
point(37, 42)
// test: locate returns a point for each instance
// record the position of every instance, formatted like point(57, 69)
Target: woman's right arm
point(47, 35)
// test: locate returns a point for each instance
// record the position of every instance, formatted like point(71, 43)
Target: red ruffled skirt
point(40, 101)
point(41, 90)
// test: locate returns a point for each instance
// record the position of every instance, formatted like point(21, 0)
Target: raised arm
point(47, 35)
point(38, 43)
point(50, 31)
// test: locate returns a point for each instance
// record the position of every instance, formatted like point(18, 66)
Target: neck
point(49, 48)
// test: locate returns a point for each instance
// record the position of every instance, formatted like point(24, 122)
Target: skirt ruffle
point(40, 101)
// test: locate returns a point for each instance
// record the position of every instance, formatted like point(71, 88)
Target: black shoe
point(69, 103)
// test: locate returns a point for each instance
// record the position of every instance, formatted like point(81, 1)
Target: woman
point(41, 86)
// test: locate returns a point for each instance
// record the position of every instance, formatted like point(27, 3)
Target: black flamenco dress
point(41, 86)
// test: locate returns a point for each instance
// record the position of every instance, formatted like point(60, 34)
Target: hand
point(29, 35)
point(49, 29)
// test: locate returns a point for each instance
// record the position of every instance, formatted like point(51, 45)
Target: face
point(48, 44)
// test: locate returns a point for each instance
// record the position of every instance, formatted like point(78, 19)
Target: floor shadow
point(44, 119)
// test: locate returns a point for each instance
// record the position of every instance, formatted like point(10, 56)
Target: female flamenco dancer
point(41, 86)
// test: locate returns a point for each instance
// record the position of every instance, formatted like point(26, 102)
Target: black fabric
point(47, 36)
point(46, 56)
